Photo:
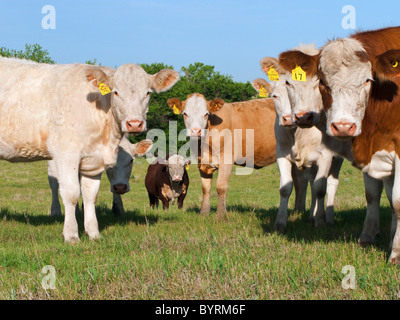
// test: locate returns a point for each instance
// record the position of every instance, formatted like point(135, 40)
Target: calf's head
point(176, 165)
point(128, 89)
point(302, 85)
point(119, 174)
point(346, 81)
point(277, 91)
point(196, 111)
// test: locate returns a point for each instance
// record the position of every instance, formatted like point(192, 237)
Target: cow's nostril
point(120, 188)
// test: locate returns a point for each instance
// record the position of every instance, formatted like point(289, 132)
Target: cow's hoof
point(394, 258)
point(329, 219)
point(280, 228)
point(72, 239)
point(95, 235)
point(204, 212)
point(320, 223)
point(366, 240)
point(221, 216)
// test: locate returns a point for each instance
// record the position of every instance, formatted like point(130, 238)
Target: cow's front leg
point(319, 186)
point(285, 189)
point(68, 179)
point(118, 206)
point(206, 182)
point(90, 188)
point(373, 191)
point(224, 173)
point(300, 182)
point(331, 189)
point(395, 227)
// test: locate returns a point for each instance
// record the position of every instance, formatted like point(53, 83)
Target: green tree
point(33, 52)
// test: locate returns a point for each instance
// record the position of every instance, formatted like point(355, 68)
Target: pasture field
point(182, 255)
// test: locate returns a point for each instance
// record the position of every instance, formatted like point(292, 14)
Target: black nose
point(120, 188)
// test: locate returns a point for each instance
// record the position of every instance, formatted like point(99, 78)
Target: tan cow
point(57, 112)
point(239, 133)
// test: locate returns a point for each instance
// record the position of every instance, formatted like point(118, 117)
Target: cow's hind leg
point(53, 182)
point(395, 227)
point(153, 200)
point(300, 182)
point(90, 188)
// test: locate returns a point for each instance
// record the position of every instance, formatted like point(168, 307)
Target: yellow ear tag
point(104, 89)
point(298, 74)
point(262, 92)
point(395, 64)
point(175, 110)
point(273, 75)
point(187, 167)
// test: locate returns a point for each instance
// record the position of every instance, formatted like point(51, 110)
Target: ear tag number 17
point(298, 74)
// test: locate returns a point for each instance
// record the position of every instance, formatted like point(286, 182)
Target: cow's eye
point(116, 93)
point(130, 162)
point(289, 85)
point(147, 94)
point(206, 115)
point(185, 115)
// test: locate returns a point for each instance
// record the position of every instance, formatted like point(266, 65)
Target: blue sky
point(231, 35)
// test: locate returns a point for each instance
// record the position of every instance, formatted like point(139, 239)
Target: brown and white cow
point(302, 148)
point(118, 175)
point(57, 112)
point(239, 133)
point(360, 85)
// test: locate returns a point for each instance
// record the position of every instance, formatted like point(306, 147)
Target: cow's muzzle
point(135, 126)
point(120, 188)
point(343, 129)
point(304, 119)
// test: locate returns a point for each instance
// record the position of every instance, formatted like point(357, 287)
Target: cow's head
point(196, 111)
point(119, 174)
point(278, 91)
point(176, 165)
point(345, 84)
point(129, 90)
point(302, 84)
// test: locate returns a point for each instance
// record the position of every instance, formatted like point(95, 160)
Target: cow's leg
point(373, 191)
point(319, 185)
point(224, 173)
point(285, 189)
point(181, 198)
point(153, 200)
point(395, 228)
point(53, 182)
point(90, 188)
point(164, 202)
point(332, 185)
point(67, 174)
point(312, 172)
point(300, 182)
point(118, 206)
point(206, 181)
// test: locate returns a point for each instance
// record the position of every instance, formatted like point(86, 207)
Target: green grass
point(182, 255)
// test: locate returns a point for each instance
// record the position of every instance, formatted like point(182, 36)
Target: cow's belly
point(23, 151)
point(381, 165)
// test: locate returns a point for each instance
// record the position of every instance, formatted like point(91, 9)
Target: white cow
point(307, 110)
point(118, 175)
point(304, 149)
point(57, 112)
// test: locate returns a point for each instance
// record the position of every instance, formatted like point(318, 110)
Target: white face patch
point(281, 99)
point(195, 115)
point(349, 81)
point(176, 167)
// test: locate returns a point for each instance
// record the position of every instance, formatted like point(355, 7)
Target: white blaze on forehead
point(341, 65)
point(195, 110)
point(346, 71)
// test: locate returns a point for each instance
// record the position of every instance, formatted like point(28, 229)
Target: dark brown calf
point(167, 180)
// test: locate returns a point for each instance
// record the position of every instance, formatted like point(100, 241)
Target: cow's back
point(258, 115)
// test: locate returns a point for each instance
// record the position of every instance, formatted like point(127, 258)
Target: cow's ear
point(215, 105)
point(289, 60)
point(164, 80)
point(387, 65)
point(96, 76)
point(270, 62)
point(141, 148)
point(262, 86)
point(176, 105)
